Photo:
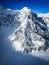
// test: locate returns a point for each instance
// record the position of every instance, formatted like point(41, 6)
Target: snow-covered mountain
point(30, 33)
point(7, 17)
point(45, 17)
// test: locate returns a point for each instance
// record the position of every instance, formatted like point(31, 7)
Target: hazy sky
point(36, 5)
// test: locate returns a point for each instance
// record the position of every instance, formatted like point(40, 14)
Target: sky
point(39, 6)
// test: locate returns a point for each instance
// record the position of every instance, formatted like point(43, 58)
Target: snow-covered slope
point(32, 34)
point(30, 31)
point(43, 15)
point(45, 18)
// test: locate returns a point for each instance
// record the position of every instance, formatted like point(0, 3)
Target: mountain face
point(7, 18)
point(31, 31)
point(45, 17)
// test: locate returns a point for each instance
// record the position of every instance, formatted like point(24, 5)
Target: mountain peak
point(25, 9)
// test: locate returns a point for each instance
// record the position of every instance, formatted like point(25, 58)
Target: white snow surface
point(43, 15)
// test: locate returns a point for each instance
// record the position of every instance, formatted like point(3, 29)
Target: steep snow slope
point(32, 34)
point(45, 18)
point(30, 31)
